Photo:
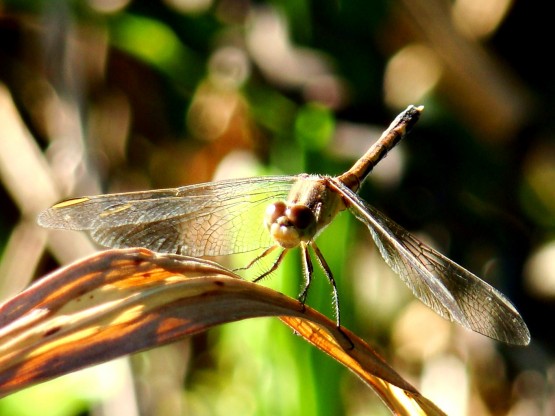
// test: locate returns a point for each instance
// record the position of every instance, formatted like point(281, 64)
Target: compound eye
point(301, 217)
point(274, 211)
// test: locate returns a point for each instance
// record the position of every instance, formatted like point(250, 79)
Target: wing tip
point(44, 219)
point(523, 338)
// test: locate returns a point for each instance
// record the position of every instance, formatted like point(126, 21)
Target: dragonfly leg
point(276, 264)
point(257, 258)
point(307, 271)
point(329, 275)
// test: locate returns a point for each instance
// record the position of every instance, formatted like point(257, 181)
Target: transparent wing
point(209, 219)
point(450, 290)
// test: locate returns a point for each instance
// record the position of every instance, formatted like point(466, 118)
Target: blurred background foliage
point(119, 95)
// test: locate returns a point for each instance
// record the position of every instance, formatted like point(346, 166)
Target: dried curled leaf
point(123, 301)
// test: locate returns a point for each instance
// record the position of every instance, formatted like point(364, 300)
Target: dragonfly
point(269, 213)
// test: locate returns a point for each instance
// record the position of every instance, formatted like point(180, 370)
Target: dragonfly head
point(290, 225)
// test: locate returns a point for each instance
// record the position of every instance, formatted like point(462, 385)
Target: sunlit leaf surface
point(123, 301)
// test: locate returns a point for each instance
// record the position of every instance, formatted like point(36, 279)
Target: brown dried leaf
point(119, 302)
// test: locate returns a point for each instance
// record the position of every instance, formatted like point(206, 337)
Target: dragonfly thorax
point(290, 225)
